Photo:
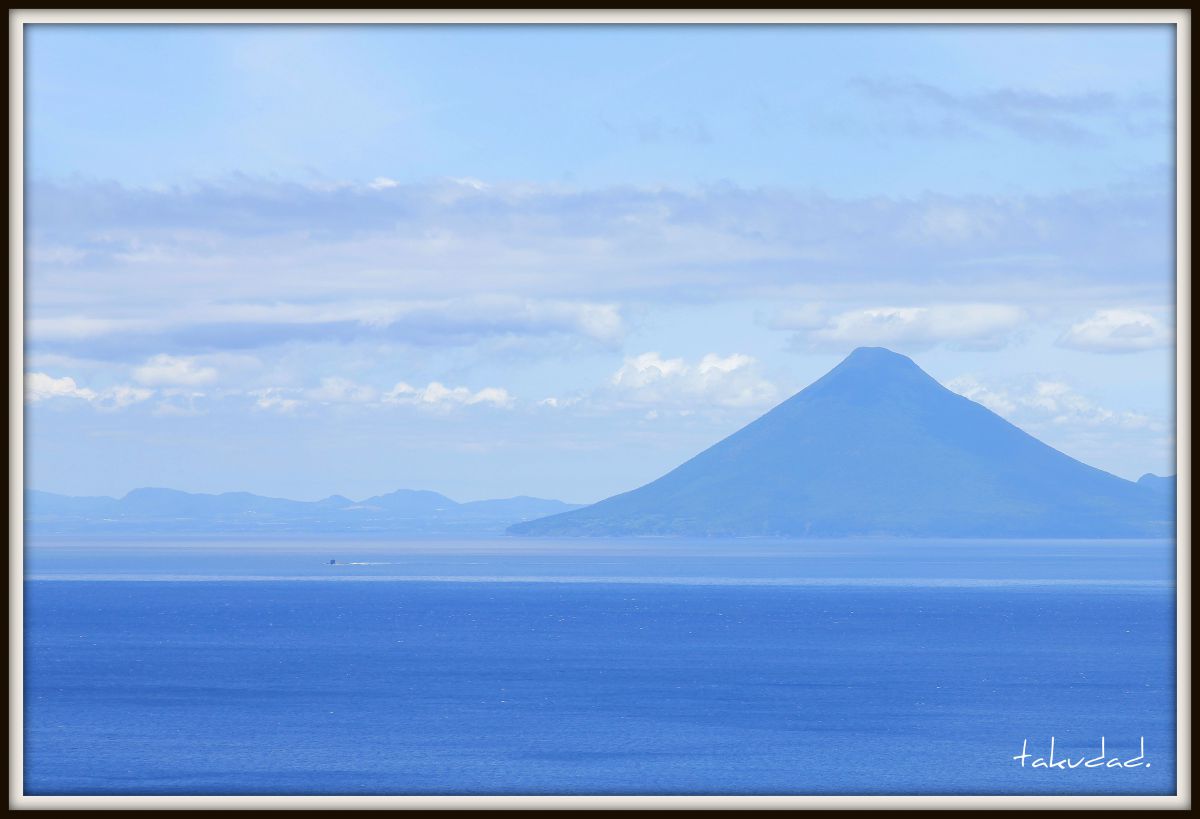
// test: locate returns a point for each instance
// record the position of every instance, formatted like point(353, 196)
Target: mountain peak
point(872, 376)
point(878, 362)
point(877, 355)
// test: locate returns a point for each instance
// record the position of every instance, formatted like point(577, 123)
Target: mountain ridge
point(161, 510)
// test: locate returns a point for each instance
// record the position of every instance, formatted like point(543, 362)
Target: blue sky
point(559, 261)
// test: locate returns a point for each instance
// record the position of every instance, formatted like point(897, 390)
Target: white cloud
point(1065, 406)
point(275, 399)
point(337, 390)
point(436, 395)
point(179, 403)
point(725, 381)
point(461, 320)
point(76, 328)
point(715, 364)
point(470, 182)
point(122, 396)
point(1045, 401)
point(496, 396)
point(998, 402)
point(1118, 331)
point(924, 110)
point(645, 369)
point(977, 326)
point(1055, 412)
point(261, 242)
point(42, 387)
point(167, 370)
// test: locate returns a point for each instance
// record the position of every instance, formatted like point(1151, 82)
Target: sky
point(560, 260)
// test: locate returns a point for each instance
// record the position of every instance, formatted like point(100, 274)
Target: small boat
point(333, 562)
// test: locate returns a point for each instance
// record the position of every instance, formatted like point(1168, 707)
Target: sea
point(594, 666)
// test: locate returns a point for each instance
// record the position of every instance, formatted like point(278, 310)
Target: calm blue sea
point(597, 667)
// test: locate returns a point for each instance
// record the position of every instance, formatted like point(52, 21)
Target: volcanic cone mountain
point(877, 447)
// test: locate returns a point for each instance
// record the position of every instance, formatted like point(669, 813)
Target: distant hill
point(876, 447)
point(170, 511)
point(1158, 483)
